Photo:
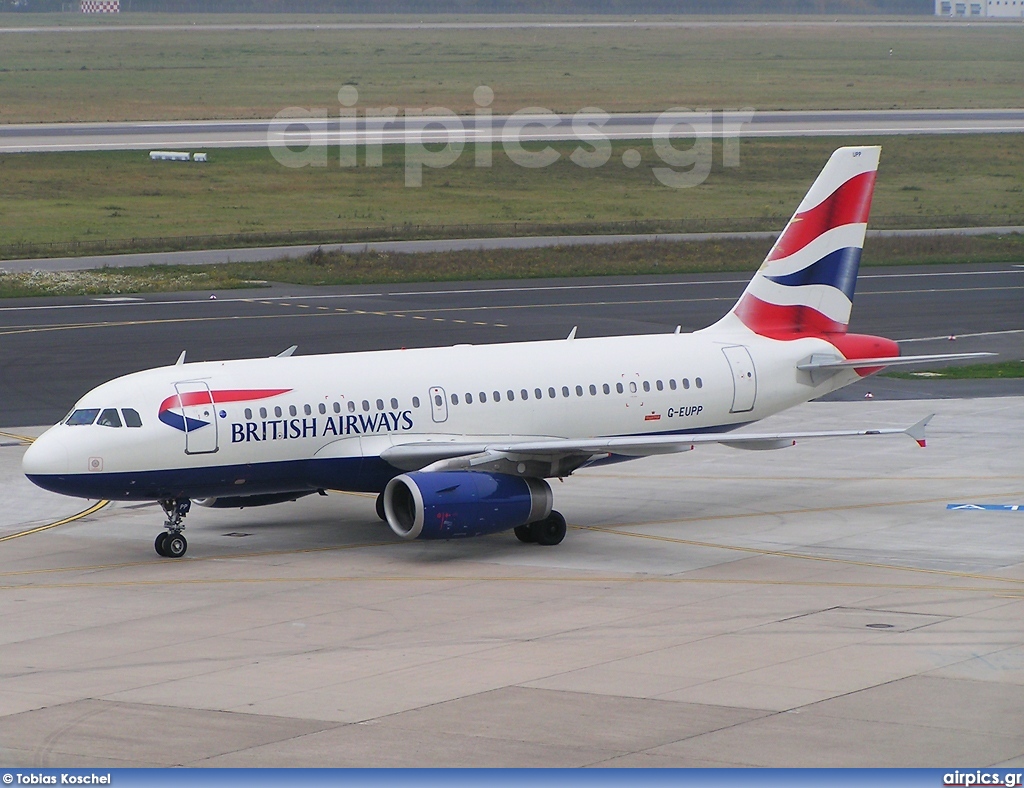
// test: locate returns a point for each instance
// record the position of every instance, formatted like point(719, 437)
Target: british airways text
point(292, 429)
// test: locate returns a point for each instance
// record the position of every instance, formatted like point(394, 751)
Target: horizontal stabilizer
point(818, 362)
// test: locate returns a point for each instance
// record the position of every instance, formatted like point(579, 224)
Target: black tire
point(524, 533)
point(549, 531)
point(161, 544)
point(380, 508)
point(175, 545)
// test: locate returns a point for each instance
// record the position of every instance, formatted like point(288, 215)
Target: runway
point(524, 127)
point(76, 343)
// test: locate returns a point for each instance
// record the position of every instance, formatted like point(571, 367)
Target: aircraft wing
point(559, 457)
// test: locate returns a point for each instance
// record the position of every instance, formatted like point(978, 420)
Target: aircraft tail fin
point(805, 285)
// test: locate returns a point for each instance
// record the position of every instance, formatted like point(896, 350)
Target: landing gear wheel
point(170, 543)
point(524, 533)
point(380, 508)
point(549, 531)
point(175, 545)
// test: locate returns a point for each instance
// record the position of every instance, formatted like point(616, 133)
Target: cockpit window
point(82, 416)
point(109, 418)
point(131, 417)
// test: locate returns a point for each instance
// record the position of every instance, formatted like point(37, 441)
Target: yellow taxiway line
point(84, 513)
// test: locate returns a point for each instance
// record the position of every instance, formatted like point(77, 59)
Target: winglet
point(572, 334)
point(181, 359)
point(287, 352)
point(917, 431)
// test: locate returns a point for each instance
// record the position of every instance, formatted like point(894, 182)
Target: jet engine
point(452, 504)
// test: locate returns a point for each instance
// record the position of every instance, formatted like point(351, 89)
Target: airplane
point(459, 441)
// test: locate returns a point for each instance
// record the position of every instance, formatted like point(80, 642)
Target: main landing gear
point(549, 531)
point(172, 543)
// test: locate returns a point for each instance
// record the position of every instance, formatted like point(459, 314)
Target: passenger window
point(109, 418)
point(605, 389)
point(416, 402)
point(248, 414)
point(686, 383)
point(593, 390)
point(632, 387)
point(579, 391)
point(337, 407)
point(82, 417)
point(322, 408)
point(308, 410)
point(394, 404)
point(524, 394)
point(469, 398)
point(277, 412)
point(565, 391)
point(455, 399)
point(131, 417)
point(366, 404)
point(551, 392)
point(538, 394)
point(672, 384)
point(351, 406)
point(511, 395)
point(380, 404)
point(647, 386)
point(699, 382)
point(292, 411)
point(437, 400)
point(263, 413)
point(618, 387)
point(659, 385)
point(497, 396)
point(483, 396)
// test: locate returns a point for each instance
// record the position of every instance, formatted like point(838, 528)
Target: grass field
point(177, 74)
point(321, 268)
point(117, 196)
point(1004, 369)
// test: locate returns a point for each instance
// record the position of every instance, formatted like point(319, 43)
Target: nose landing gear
point(172, 543)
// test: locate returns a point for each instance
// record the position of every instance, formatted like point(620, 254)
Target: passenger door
point(200, 416)
point(744, 378)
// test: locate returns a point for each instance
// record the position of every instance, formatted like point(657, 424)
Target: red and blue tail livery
point(806, 284)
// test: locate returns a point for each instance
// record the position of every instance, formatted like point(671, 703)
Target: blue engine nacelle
point(451, 504)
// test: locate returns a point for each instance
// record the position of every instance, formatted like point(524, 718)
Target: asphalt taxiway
point(264, 253)
point(54, 350)
point(143, 135)
point(819, 606)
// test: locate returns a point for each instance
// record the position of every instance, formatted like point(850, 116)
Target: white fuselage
point(337, 413)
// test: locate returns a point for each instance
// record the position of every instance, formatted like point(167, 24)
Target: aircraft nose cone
point(47, 456)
